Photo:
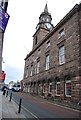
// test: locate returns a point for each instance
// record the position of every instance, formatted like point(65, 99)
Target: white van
point(16, 88)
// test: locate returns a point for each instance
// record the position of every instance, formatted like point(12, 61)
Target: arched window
point(50, 87)
point(57, 87)
point(68, 90)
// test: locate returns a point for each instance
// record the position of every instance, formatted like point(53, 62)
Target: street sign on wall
point(4, 17)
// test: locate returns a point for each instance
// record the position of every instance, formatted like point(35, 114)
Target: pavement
point(9, 109)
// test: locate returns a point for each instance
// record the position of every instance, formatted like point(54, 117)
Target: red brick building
point(53, 67)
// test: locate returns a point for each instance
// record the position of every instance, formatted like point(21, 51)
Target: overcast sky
point(18, 40)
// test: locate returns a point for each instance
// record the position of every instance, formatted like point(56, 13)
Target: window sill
point(61, 37)
point(68, 96)
point(58, 95)
point(61, 64)
point(46, 69)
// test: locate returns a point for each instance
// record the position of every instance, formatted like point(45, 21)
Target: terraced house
point(53, 67)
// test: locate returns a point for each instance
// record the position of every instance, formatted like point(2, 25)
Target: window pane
point(27, 72)
point(58, 88)
point(62, 59)
point(50, 87)
point(47, 59)
point(68, 89)
point(47, 62)
point(31, 70)
point(38, 65)
point(61, 50)
point(44, 89)
point(48, 44)
point(61, 33)
point(61, 55)
point(35, 69)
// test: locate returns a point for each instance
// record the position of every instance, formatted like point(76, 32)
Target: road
point(40, 108)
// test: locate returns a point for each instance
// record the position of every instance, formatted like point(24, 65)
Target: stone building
point(53, 67)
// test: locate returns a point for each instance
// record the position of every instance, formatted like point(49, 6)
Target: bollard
point(19, 105)
point(10, 96)
point(7, 93)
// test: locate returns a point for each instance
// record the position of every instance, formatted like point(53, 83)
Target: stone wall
point(71, 67)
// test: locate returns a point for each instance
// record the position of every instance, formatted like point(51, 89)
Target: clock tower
point(45, 20)
point(43, 27)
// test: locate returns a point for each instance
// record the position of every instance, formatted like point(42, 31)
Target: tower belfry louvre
point(53, 67)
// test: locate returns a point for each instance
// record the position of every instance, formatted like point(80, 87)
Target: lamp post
point(3, 17)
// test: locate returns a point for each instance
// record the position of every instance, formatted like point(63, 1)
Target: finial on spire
point(46, 8)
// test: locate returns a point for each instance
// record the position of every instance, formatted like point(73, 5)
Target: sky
point(18, 40)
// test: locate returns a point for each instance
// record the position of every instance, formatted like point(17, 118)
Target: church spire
point(46, 8)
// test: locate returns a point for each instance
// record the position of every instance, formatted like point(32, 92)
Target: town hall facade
point(53, 67)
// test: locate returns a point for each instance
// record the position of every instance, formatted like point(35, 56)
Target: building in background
point(53, 67)
point(4, 17)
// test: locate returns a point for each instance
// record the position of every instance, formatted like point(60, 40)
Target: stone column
point(26, 88)
point(53, 89)
point(31, 91)
point(40, 88)
point(43, 82)
point(46, 89)
point(37, 88)
point(62, 89)
point(34, 87)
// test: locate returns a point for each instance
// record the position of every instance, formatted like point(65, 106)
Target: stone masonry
point(60, 81)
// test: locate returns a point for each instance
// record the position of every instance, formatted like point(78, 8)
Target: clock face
point(48, 25)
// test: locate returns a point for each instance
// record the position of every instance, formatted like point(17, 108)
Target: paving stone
point(9, 109)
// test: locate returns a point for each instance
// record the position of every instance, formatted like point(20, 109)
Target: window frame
point(50, 88)
point(48, 44)
point(27, 71)
point(67, 81)
point(35, 69)
point(61, 33)
point(44, 88)
point(47, 62)
point(31, 73)
point(62, 55)
point(38, 66)
point(57, 82)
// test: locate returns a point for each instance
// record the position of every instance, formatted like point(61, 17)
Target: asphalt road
point(40, 108)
